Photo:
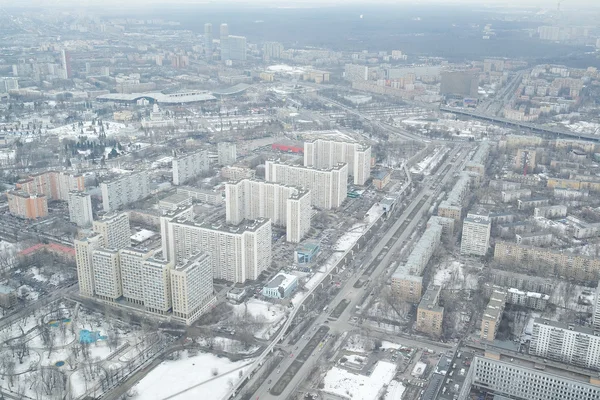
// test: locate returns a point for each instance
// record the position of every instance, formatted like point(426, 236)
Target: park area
point(63, 350)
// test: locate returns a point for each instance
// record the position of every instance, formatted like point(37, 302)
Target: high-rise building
point(132, 273)
point(223, 31)
point(80, 209)
point(124, 190)
point(115, 230)
point(328, 188)
point(596, 316)
point(66, 63)
point(325, 154)
point(208, 40)
point(272, 50)
point(28, 206)
point(107, 274)
point(227, 153)
point(188, 166)
point(238, 253)
point(224, 41)
point(192, 288)
point(236, 48)
point(55, 185)
point(577, 345)
point(475, 235)
point(8, 83)
point(84, 249)
point(284, 205)
point(355, 72)
point(157, 285)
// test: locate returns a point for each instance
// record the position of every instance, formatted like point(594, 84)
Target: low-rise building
point(492, 315)
point(8, 297)
point(512, 195)
point(534, 239)
point(558, 211)
point(281, 286)
point(203, 196)
point(527, 204)
point(381, 178)
point(175, 201)
point(430, 314)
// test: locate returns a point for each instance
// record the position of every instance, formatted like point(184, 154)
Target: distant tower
point(66, 63)
point(223, 31)
point(208, 39)
point(224, 39)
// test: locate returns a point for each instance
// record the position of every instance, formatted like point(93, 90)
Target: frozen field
point(212, 375)
point(347, 385)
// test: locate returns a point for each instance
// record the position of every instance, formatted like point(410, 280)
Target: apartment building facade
point(115, 230)
point(84, 249)
point(430, 314)
point(80, 209)
point(328, 188)
point(53, 184)
point(124, 190)
point(192, 288)
point(284, 205)
point(107, 274)
point(475, 235)
point(576, 345)
point(238, 253)
point(326, 154)
point(490, 321)
point(188, 166)
point(28, 206)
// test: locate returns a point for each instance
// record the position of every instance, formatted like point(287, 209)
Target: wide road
point(411, 216)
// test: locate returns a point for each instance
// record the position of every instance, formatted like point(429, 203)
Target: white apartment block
point(227, 153)
point(523, 380)
point(203, 196)
point(85, 267)
point(107, 274)
point(577, 345)
point(132, 272)
point(475, 235)
point(80, 209)
point(188, 166)
point(235, 173)
point(596, 316)
point(284, 205)
point(328, 188)
point(157, 285)
point(298, 216)
point(238, 253)
point(325, 154)
point(124, 190)
point(115, 231)
point(356, 72)
point(192, 288)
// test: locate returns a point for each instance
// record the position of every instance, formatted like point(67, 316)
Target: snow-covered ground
point(227, 345)
point(347, 385)
point(172, 377)
point(272, 315)
point(590, 128)
point(73, 131)
point(359, 344)
point(453, 276)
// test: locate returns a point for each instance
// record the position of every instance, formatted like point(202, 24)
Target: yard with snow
point(206, 375)
point(65, 350)
point(353, 386)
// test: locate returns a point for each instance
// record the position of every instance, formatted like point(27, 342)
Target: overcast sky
point(543, 3)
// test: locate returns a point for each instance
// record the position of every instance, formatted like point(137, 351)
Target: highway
point(397, 132)
point(395, 236)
